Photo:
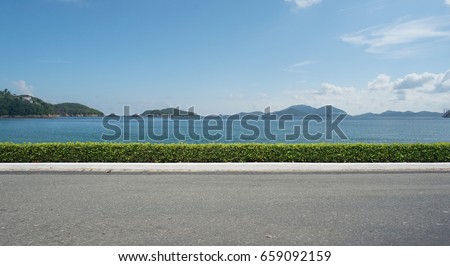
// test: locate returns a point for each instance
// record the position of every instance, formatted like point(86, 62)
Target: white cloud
point(330, 89)
point(414, 92)
point(304, 3)
point(22, 87)
point(298, 67)
point(382, 82)
point(417, 81)
point(402, 38)
point(447, 2)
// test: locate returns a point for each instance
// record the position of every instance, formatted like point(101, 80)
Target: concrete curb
point(224, 167)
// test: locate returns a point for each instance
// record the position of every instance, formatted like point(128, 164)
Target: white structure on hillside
point(27, 98)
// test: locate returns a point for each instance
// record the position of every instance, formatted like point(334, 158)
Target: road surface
point(225, 209)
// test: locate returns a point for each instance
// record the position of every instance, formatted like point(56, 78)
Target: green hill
point(76, 109)
point(12, 105)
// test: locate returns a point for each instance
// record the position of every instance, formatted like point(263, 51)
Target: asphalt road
point(225, 209)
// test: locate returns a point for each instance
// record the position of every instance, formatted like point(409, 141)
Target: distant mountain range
point(304, 110)
point(28, 106)
point(395, 114)
point(299, 111)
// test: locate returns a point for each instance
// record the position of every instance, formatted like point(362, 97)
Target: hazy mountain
point(396, 114)
point(303, 110)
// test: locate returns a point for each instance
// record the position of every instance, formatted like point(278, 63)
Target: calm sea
point(91, 130)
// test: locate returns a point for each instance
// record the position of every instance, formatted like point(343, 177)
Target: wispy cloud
point(447, 2)
point(402, 38)
point(304, 3)
point(362, 5)
point(22, 87)
point(299, 67)
point(331, 89)
point(236, 96)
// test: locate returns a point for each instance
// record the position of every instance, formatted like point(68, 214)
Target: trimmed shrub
point(165, 153)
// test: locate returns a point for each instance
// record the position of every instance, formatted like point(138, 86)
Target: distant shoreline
point(47, 116)
point(358, 117)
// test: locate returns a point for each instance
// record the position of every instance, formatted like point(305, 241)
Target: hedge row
point(140, 152)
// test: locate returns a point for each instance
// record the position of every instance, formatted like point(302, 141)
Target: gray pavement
point(225, 209)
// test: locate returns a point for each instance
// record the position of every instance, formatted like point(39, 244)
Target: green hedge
point(140, 152)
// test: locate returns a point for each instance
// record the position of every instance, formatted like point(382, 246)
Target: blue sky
point(229, 56)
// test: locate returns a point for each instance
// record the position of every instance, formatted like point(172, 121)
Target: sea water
point(71, 129)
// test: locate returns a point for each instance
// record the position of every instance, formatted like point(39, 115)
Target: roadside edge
point(224, 167)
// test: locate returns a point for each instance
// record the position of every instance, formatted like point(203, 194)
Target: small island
point(170, 112)
point(27, 106)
